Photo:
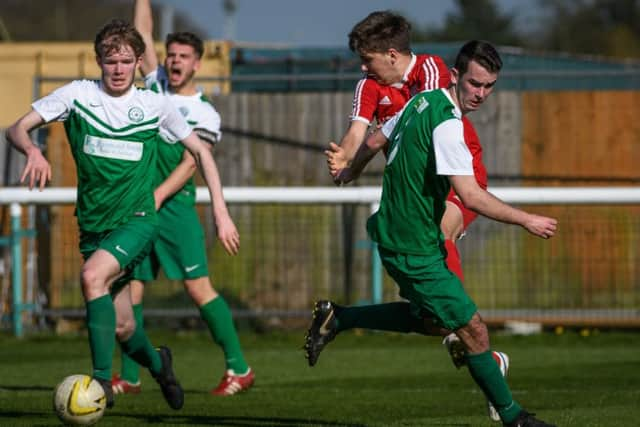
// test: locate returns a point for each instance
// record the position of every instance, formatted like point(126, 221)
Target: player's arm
point(37, 168)
point(367, 151)
point(365, 104)
point(143, 21)
point(490, 206)
point(227, 232)
point(349, 144)
point(176, 180)
point(185, 169)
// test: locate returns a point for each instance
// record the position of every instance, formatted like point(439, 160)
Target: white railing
point(349, 194)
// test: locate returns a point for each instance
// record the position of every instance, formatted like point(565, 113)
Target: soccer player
point(427, 155)
point(394, 75)
point(113, 128)
point(182, 254)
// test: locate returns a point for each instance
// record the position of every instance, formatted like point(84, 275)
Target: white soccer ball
point(79, 400)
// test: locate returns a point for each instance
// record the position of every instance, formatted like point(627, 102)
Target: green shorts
point(130, 243)
point(432, 290)
point(180, 246)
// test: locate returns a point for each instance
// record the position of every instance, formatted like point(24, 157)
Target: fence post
point(376, 267)
point(16, 267)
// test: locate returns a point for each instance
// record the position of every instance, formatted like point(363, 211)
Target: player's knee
point(200, 290)
point(93, 284)
point(125, 328)
point(475, 335)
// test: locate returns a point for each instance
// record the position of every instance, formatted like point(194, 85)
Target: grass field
point(360, 380)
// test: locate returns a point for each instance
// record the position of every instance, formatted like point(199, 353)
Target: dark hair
point(379, 32)
point(185, 37)
point(114, 35)
point(480, 51)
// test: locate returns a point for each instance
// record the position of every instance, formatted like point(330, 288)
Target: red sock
point(453, 259)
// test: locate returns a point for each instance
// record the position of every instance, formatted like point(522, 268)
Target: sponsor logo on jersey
point(112, 148)
point(385, 101)
point(422, 104)
point(136, 114)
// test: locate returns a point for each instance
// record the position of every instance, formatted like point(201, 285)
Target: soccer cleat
point(120, 386)
point(526, 419)
point(323, 329)
point(232, 383)
point(171, 389)
point(108, 392)
point(456, 349)
point(503, 363)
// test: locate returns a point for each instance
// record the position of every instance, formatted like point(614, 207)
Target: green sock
point(140, 350)
point(101, 325)
point(394, 316)
point(487, 375)
point(130, 369)
point(217, 316)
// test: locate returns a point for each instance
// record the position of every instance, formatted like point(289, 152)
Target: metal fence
point(301, 244)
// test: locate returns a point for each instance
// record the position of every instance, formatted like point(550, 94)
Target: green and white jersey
point(114, 143)
point(201, 116)
point(426, 145)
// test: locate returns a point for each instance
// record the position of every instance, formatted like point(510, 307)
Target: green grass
point(360, 380)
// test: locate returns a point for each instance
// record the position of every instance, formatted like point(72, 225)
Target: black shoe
point(171, 389)
point(323, 329)
point(108, 391)
point(526, 419)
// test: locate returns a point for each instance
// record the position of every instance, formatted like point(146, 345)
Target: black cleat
point(171, 389)
point(323, 329)
point(108, 391)
point(526, 419)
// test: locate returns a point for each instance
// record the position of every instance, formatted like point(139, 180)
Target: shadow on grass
point(25, 388)
point(217, 421)
point(248, 421)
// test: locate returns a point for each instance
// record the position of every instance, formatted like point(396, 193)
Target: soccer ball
point(79, 400)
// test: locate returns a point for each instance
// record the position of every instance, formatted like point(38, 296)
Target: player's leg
point(99, 270)
point(484, 369)
point(216, 314)
point(329, 319)
point(131, 243)
point(183, 257)
point(128, 381)
point(132, 337)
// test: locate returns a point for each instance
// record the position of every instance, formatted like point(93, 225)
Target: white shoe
point(503, 364)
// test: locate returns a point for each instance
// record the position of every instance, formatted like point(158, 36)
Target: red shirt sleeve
point(433, 73)
point(365, 100)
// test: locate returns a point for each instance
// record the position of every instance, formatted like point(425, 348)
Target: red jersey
point(381, 102)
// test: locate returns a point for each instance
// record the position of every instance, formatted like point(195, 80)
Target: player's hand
point(37, 169)
point(336, 158)
point(541, 226)
point(228, 235)
point(157, 200)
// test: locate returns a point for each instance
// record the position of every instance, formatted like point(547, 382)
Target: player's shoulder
point(206, 104)
point(423, 58)
point(81, 86)
point(147, 94)
point(437, 102)
point(367, 87)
